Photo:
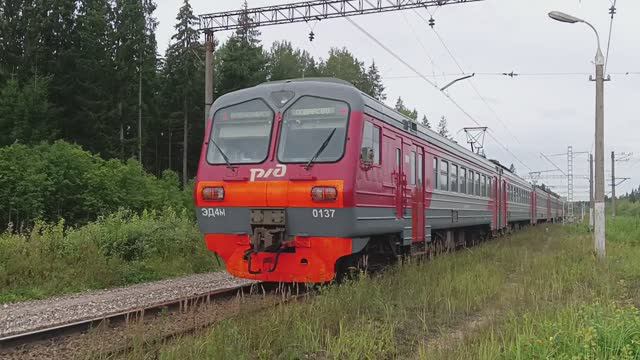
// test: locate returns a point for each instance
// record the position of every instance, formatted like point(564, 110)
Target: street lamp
point(599, 221)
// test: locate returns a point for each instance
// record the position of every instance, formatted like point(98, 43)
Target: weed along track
point(443, 308)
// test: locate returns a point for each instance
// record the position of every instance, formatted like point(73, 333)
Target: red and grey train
point(302, 178)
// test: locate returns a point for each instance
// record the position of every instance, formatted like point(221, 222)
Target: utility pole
point(599, 223)
point(209, 81)
point(140, 116)
point(591, 192)
point(613, 184)
point(185, 130)
point(570, 182)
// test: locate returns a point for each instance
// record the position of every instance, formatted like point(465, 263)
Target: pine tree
point(285, 62)
point(243, 63)
point(442, 127)
point(25, 112)
point(92, 121)
point(400, 105)
point(401, 108)
point(182, 84)
point(135, 65)
point(341, 64)
point(375, 88)
point(425, 122)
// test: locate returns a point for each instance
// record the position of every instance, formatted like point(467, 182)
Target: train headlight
point(213, 193)
point(324, 193)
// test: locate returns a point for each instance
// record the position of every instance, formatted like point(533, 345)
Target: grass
point(536, 294)
point(120, 249)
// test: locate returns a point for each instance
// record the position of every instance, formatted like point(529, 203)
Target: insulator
point(312, 36)
point(612, 10)
point(432, 22)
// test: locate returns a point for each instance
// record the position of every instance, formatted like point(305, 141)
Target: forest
point(86, 71)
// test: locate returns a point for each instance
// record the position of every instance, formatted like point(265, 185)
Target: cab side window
point(371, 139)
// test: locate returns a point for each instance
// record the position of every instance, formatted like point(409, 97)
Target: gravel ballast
point(30, 316)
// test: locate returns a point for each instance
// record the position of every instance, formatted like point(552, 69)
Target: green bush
point(53, 181)
point(118, 249)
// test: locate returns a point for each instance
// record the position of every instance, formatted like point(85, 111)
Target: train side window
point(412, 167)
point(419, 166)
point(371, 139)
point(454, 177)
point(470, 182)
point(463, 180)
point(490, 191)
point(478, 185)
point(435, 173)
point(444, 175)
point(484, 185)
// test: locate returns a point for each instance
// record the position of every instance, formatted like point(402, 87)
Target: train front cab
point(274, 185)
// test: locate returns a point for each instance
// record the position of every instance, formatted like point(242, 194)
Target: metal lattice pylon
point(570, 182)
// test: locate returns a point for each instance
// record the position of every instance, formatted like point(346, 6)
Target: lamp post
point(599, 221)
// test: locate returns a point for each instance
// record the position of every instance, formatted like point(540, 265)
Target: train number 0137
point(323, 213)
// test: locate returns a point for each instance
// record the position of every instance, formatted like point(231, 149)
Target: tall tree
point(182, 72)
point(373, 83)
point(426, 122)
point(93, 119)
point(411, 114)
point(442, 127)
point(285, 62)
point(243, 62)
point(135, 67)
point(25, 112)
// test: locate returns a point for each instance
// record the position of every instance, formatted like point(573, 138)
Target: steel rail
point(46, 333)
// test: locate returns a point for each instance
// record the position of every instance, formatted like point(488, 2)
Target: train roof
point(360, 101)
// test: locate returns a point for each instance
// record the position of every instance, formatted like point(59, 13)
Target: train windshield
point(242, 132)
point(307, 124)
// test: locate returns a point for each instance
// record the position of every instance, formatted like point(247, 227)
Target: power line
point(514, 74)
point(471, 82)
point(415, 33)
point(430, 82)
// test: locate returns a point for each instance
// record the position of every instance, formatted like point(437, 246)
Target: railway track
point(122, 317)
point(118, 333)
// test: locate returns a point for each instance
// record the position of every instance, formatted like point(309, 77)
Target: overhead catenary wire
point(433, 84)
point(470, 81)
point(424, 48)
point(515, 75)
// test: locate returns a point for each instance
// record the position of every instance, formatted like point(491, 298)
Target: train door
point(504, 203)
point(533, 207)
point(548, 208)
point(414, 194)
point(495, 208)
point(399, 178)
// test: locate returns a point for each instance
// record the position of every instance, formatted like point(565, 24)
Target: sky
point(533, 113)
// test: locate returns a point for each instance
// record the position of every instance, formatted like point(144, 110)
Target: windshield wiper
point(224, 156)
point(321, 149)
